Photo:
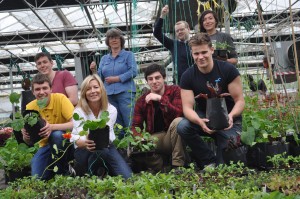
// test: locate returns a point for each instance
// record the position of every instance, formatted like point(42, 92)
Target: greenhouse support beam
point(44, 23)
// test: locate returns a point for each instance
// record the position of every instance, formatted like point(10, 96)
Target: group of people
point(165, 111)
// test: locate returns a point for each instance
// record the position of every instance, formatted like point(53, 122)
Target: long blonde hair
point(83, 103)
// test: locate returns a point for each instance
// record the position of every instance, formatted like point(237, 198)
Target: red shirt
point(170, 104)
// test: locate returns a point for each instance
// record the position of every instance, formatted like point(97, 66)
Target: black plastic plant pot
point(222, 53)
point(140, 154)
point(27, 96)
point(236, 155)
point(215, 54)
point(100, 137)
point(11, 176)
point(35, 129)
point(216, 112)
point(257, 154)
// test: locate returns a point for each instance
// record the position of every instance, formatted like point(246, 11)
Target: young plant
point(144, 143)
point(14, 156)
point(32, 118)
point(92, 124)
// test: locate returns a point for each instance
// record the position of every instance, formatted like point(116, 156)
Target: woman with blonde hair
point(92, 103)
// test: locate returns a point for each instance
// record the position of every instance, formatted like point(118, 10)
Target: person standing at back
point(62, 81)
point(179, 47)
point(117, 70)
point(208, 24)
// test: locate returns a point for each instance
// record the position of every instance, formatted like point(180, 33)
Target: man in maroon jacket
point(161, 110)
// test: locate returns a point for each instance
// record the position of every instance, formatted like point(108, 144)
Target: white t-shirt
point(77, 128)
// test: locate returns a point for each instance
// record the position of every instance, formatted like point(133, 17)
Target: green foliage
point(143, 143)
point(92, 124)
point(19, 121)
point(264, 124)
point(187, 184)
point(222, 46)
point(14, 156)
point(14, 98)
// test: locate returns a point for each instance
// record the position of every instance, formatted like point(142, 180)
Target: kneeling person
point(92, 103)
point(160, 108)
point(58, 116)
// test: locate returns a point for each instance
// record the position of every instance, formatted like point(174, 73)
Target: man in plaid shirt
point(161, 110)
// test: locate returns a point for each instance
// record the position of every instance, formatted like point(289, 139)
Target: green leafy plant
point(143, 143)
point(261, 124)
point(92, 124)
point(221, 46)
point(19, 120)
point(279, 161)
point(14, 156)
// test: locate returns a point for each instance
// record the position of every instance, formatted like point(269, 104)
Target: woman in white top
point(93, 101)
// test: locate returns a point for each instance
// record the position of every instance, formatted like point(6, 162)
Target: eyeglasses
point(180, 30)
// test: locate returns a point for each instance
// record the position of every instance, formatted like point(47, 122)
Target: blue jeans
point(109, 158)
point(124, 103)
point(43, 157)
point(191, 133)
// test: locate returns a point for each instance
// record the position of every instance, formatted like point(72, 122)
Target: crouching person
point(161, 110)
point(92, 103)
point(225, 80)
point(57, 113)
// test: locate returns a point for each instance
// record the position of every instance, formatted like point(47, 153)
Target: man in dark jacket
point(179, 47)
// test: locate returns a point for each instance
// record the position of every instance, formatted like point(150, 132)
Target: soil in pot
point(100, 137)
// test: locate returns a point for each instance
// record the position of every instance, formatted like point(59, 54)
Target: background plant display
point(266, 124)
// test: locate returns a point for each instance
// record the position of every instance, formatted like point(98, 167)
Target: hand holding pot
point(26, 136)
point(204, 127)
point(46, 130)
point(90, 145)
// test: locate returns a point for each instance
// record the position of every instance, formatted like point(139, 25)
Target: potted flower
point(30, 119)
point(15, 159)
point(96, 130)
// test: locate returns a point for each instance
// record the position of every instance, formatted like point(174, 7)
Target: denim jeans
point(191, 133)
point(43, 158)
point(109, 158)
point(124, 103)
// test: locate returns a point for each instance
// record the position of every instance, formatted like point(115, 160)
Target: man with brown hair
point(158, 111)
point(194, 81)
point(62, 81)
point(57, 114)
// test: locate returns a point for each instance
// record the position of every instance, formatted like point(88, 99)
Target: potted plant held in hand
point(96, 130)
point(216, 109)
point(30, 119)
point(221, 49)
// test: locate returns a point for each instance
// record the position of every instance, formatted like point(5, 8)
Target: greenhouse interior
point(262, 102)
